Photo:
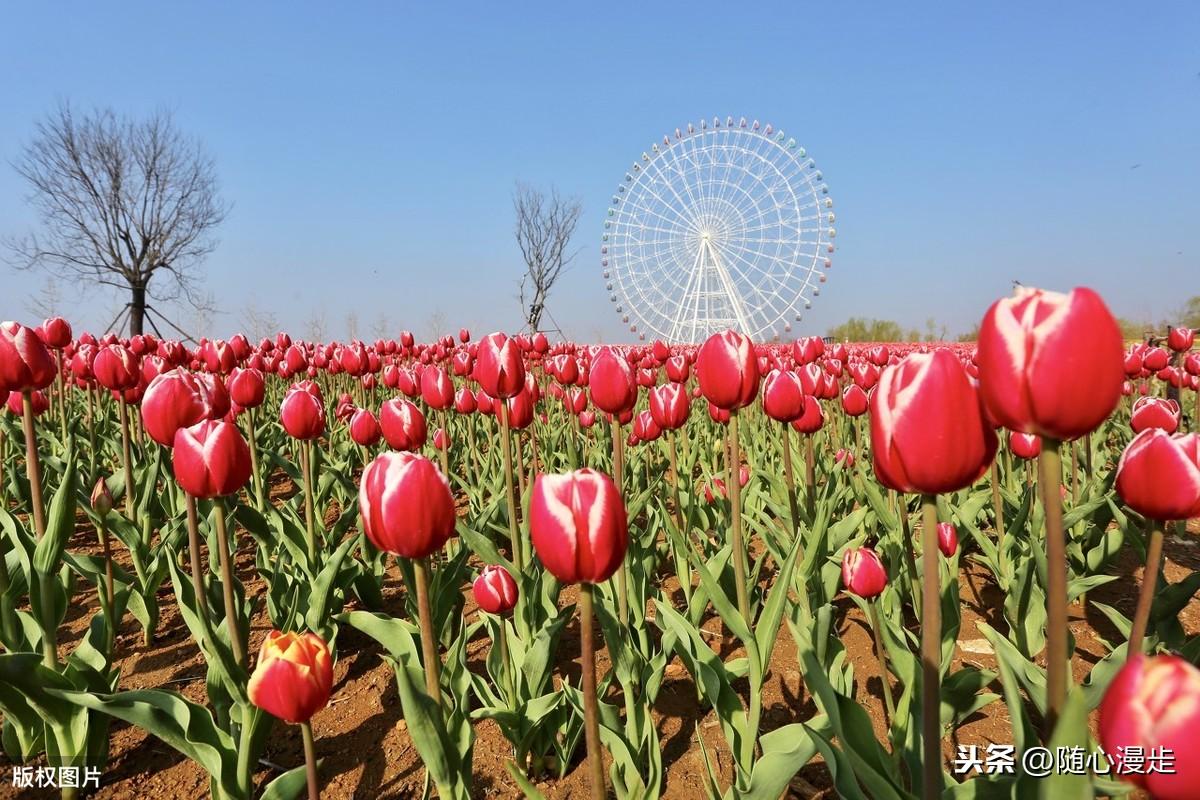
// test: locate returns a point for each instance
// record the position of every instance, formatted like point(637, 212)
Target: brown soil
point(367, 752)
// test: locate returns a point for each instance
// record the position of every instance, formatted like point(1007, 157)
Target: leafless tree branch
point(544, 227)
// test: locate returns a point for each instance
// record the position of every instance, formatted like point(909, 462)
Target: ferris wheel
point(725, 224)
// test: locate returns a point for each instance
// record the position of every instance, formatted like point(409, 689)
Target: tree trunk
point(137, 309)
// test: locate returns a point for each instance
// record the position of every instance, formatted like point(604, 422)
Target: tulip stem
point(1057, 660)
point(810, 475)
point(197, 567)
point(931, 652)
point(310, 761)
point(682, 568)
point(880, 653)
point(794, 506)
point(1141, 616)
point(108, 578)
point(618, 462)
point(231, 615)
point(443, 451)
point(127, 458)
point(514, 534)
point(258, 480)
point(735, 499)
point(310, 522)
point(428, 644)
point(33, 471)
point(906, 547)
point(591, 710)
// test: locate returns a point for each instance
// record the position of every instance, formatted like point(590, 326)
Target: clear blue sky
point(369, 150)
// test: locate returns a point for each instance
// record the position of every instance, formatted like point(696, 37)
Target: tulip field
point(515, 567)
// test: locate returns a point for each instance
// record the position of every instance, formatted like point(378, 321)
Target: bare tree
point(544, 227)
point(259, 324)
point(436, 325)
point(47, 301)
point(121, 201)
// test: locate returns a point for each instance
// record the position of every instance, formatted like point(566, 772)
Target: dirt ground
point(367, 752)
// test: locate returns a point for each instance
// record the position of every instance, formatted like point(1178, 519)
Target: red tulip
point(928, 434)
point(175, 399)
point(25, 363)
point(406, 505)
point(587, 419)
point(247, 387)
point(499, 366)
point(1025, 445)
point(441, 439)
point(610, 382)
point(863, 572)
point(403, 424)
point(1154, 703)
point(854, 400)
point(495, 590)
point(56, 333)
point(670, 406)
point(1155, 358)
point(808, 350)
point(947, 539)
point(782, 396)
point(294, 676)
point(678, 369)
point(464, 401)
point(844, 458)
point(578, 526)
point(37, 399)
point(1192, 364)
point(1155, 412)
point(1158, 475)
point(645, 429)
point(718, 415)
point(727, 370)
point(364, 428)
point(437, 390)
point(302, 412)
point(1181, 339)
point(1050, 363)
point(211, 459)
point(116, 368)
point(813, 417)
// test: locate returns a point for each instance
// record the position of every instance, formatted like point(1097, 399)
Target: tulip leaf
point(60, 524)
point(1071, 731)
point(289, 785)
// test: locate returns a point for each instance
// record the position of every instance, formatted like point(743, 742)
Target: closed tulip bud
point(928, 433)
point(813, 418)
point(25, 363)
point(175, 399)
point(844, 458)
point(808, 349)
point(1155, 412)
point(782, 396)
point(406, 505)
point(293, 678)
point(1155, 358)
point(578, 525)
point(247, 387)
point(403, 424)
point(464, 401)
point(854, 400)
point(670, 406)
point(1025, 445)
point(947, 539)
point(1192, 364)
point(302, 413)
point(1035, 352)
point(863, 572)
point(610, 382)
point(727, 370)
point(1154, 702)
point(441, 439)
point(56, 333)
point(1158, 475)
point(495, 590)
point(364, 428)
point(645, 429)
point(464, 335)
point(715, 487)
point(1179, 339)
point(678, 369)
point(437, 390)
point(718, 415)
point(102, 499)
point(587, 419)
point(116, 368)
point(211, 459)
point(499, 366)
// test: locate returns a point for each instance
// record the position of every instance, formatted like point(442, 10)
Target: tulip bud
point(854, 400)
point(173, 400)
point(1181, 339)
point(727, 370)
point(247, 387)
point(437, 390)
point(116, 368)
point(1036, 349)
point(406, 505)
point(495, 590)
point(782, 396)
point(1025, 445)
point(928, 434)
point(1158, 475)
point(813, 418)
point(499, 366)
point(102, 499)
point(578, 526)
point(302, 413)
point(211, 459)
point(441, 439)
point(294, 676)
point(1154, 703)
point(1155, 412)
point(364, 428)
point(844, 458)
point(56, 333)
point(25, 363)
point(670, 406)
point(863, 572)
point(947, 539)
point(610, 382)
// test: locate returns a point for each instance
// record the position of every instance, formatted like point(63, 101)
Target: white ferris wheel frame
point(723, 225)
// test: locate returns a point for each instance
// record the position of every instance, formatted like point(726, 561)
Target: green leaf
point(290, 784)
point(1071, 731)
point(59, 525)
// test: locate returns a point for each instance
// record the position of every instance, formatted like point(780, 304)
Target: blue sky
point(369, 150)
